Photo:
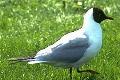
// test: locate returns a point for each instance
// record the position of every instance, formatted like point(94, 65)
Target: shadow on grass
point(92, 77)
point(86, 77)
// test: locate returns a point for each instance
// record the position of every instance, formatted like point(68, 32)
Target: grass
point(27, 26)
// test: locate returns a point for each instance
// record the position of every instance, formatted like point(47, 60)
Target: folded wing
point(68, 49)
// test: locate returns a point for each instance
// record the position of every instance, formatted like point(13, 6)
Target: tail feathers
point(15, 60)
point(30, 60)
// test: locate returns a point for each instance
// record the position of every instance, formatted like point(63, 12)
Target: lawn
point(27, 26)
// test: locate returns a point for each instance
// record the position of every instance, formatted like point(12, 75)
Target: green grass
point(27, 26)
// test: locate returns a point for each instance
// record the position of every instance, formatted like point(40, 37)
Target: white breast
point(94, 32)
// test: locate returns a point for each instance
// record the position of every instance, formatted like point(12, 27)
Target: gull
point(76, 48)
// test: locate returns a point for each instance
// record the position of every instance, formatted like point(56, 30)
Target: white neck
point(92, 28)
point(90, 24)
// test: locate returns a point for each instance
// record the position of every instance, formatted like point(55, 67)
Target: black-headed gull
point(76, 48)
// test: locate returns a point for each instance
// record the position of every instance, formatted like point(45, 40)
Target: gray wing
point(67, 50)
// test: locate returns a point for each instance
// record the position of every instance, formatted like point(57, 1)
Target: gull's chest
point(94, 34)
point(95, 40)
point(95, 45)
point(93, 49)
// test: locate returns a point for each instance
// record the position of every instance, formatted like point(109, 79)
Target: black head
point(99, 15)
